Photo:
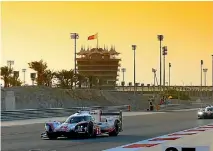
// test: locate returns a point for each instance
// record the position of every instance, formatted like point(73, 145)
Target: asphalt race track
point(136, 128)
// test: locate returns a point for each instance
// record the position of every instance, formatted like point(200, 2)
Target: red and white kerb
point(162, 139)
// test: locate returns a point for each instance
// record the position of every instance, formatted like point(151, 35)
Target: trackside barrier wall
point(54, 112)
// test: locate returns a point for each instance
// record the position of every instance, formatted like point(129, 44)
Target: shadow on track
point(104, 138)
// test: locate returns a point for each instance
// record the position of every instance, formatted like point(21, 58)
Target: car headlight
point(80, 128)
point(200, 113)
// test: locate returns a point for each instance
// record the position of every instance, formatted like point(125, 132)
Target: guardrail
point(157, 88)
point(53, 112)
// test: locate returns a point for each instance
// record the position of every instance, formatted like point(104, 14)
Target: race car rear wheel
point(115, 131)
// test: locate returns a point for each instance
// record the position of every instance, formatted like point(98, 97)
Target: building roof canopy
point(82, 51)
point(104, 50)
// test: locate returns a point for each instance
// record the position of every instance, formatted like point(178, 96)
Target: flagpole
point(97, 40)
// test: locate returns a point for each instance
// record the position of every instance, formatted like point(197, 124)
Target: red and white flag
point(92, 37)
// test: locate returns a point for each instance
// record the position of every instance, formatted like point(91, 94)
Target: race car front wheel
point(51, 136)
point(90, 130)
point(200, 117)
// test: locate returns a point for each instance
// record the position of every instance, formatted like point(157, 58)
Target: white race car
point(205, 113)
point(85, 123)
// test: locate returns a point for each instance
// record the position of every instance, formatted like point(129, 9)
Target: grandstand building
point(100, 64)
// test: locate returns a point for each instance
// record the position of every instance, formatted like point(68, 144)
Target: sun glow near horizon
point(40, 30)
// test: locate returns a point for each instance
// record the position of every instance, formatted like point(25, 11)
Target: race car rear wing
point(117, 115)
point(98, 115)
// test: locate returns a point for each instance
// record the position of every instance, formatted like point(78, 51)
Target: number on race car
point(98, 130)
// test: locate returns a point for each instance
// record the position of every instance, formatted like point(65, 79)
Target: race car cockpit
point(77, 119)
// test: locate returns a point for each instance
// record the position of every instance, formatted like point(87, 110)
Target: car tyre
point(201, 117)
point(51, 136)
point(115, 132)
point(90, 130)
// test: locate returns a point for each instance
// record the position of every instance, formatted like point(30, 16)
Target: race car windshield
point(77, 119)
point(210, 109)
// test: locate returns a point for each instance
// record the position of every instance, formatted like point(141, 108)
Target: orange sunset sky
point(40, 30)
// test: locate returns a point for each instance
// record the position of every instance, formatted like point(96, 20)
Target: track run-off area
point(136, 128)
